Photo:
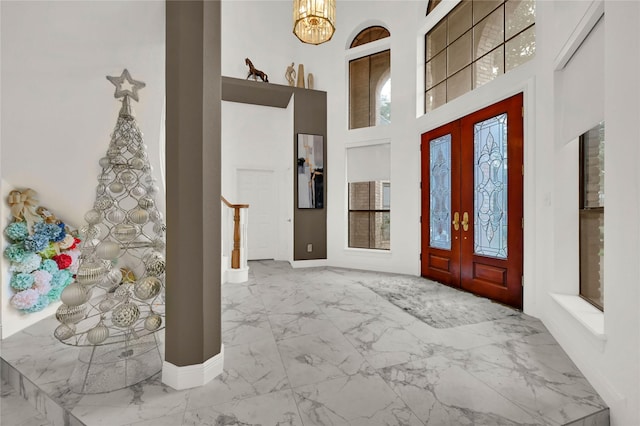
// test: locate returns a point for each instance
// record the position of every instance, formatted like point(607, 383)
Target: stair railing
point(238, 253)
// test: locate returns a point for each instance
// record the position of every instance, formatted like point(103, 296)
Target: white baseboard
point(237, 275)
point(309, 263)
point(191, 376)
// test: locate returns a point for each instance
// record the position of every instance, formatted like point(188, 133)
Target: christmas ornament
point(123, 240)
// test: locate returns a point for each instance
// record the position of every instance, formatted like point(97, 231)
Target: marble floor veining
point(317, 347)
point(16, 411)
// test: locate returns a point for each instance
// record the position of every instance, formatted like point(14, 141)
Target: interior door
point(256, 188)
point(472, 196)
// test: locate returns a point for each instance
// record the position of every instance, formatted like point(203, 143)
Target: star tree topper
point(130, 89)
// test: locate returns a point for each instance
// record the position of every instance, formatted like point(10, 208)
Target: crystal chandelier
point(314, 20)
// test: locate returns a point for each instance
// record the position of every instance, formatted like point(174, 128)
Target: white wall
point(260, 31)
point(55, 56)
point(257, 137)
point(58, 108)
point(611, 362)
point(550, 262)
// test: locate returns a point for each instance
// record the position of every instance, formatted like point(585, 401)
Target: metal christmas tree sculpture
point(115, 306)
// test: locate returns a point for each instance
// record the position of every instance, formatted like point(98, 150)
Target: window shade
point(369, 163)
point(580, 88)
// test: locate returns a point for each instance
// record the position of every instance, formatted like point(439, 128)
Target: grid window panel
point(488, 67)
point(436, 69)
point(460, 21)
point(520, 49)
point(459, 84)
point(489, 33)
point(436, 40)
point(482, 39)
point(435, 97)
point(519, 14)
point(482, 8)
point(367, 75)
point(459, 54)
point(370, 215)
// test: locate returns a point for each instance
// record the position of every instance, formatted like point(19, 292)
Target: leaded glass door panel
point(441, 178)
point(480, 247)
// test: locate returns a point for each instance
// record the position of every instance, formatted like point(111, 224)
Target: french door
point(472, 215)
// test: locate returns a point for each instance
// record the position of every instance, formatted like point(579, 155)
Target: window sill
point(586, 314)
point(363, 251)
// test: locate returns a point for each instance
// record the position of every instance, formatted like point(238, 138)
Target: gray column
point(193, 321)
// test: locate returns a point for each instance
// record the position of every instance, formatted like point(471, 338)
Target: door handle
point(465, 221)
point(456, 221)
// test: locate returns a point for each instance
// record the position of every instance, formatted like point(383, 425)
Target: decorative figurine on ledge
point(253, 71)
point(290, 74)
point(300, 75)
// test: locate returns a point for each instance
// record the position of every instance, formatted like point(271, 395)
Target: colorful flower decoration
point(63, 260)
point(17, 231)
point(42, 251)
point(15, 252)
point(30, 262)
point(50, 266)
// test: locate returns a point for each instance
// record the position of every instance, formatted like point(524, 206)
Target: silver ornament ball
point(108, 250)
point(146, 202)
point(103, 203)
point(125, 232)
point(138, 191)
point(74, 295)
point(93, 217)
point(65, 331)
point(116, 187)
point(123, 291)
point(139, 216)
point(155, 216)
point(107, 304)
point(136, 163)
point(155, 265)
point(147, 287)
point(127, 177)
point(90, 272)
point(98, 334)
point(125, 315)
point(153, 322)
point(104, 162)
point(115, 216)
point(71, 314)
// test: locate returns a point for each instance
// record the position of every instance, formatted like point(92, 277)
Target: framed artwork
point(310, 169)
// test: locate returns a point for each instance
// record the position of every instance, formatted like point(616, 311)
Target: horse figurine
point(255, 72)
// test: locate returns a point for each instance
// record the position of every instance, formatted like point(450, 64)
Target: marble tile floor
point(15, 410)
point(315, 347)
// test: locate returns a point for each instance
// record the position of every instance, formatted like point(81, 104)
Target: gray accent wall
point(309, 116)
point(193, 148)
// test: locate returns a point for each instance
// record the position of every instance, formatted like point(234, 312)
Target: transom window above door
point(475, 43)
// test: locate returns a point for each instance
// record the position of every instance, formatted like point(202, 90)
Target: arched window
point(370, 34)
point(431, 4)
point(370, 83)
